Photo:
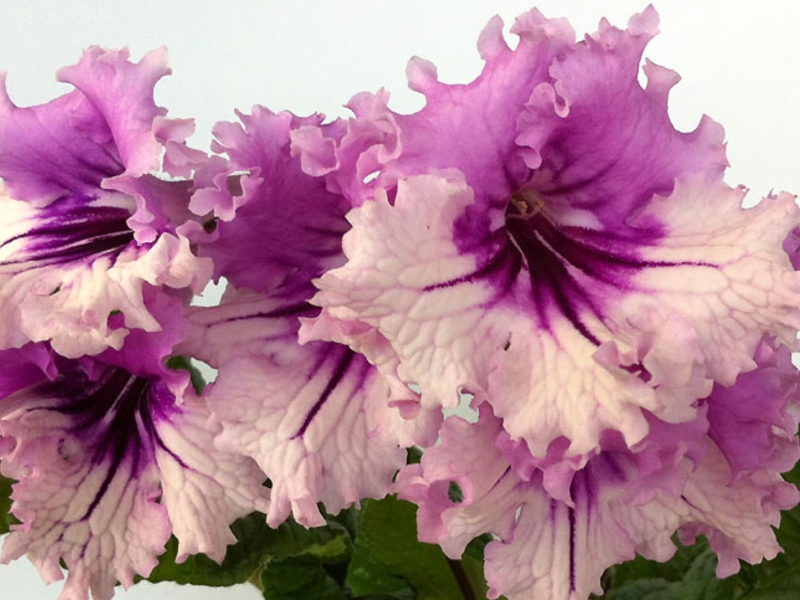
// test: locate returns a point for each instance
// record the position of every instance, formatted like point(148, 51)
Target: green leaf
point(6, 518)
point(295, 578)
point(388, 558)
point(641, 568)
point(182, 363)
point(689, 576)
point(257, 546)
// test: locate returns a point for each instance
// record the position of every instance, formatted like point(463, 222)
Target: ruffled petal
point(469, 127)
point(101, 129)
point(286, 221)
point(85, 225)
point(63, 274)
point(736, 515)
point(557, 530)
point(319, 419)
point(204, 489)
point(109, 464)
point(543, 546)
point(754, 422)
point(601, 145)
point(88, 489)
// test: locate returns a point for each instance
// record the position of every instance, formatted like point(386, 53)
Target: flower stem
point(462, 579)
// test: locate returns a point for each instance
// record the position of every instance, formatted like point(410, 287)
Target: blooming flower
point(85, 226)
point(582, 266)
point(541, 238)
point(544, 239)
point(322, 423)
point(558, 528)
point(112, 455)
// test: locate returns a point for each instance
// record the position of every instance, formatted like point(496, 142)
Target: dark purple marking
point(70, 232)
point(113, 415)
point(576, 270)
point(502, 265)
point(572, 543)
point(299, 309)
point(343, 363)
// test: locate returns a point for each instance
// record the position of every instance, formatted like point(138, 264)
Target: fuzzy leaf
point(388, 557)
point(257, 546)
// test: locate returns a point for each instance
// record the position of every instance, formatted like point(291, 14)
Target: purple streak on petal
point(301, 309)
point(572, 546)
point(344, 358)
point(71, 230)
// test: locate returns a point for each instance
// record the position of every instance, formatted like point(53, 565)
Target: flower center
point(524, 205)
point(112, 420)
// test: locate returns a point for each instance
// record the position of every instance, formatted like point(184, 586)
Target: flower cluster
point(538, 254)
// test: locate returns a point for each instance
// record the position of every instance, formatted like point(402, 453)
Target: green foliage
point(182, 363)
point(6, 518)
point(258, 546)
point(389, 559)
point(373, 554)
point(367, 554)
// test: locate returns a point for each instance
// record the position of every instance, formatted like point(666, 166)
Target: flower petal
point(108, 466)
point(318, 419)
point(101, 129)
point(64, 269)
point(286, 221)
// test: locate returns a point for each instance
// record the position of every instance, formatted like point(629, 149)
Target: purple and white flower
point(570, 258)
point(544, 239)
point(85, 224)
point(322, 423)
point(112, 455)
point(558, 526)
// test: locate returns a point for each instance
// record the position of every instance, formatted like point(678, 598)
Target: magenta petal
point(754, 422)
point(287, 223)
point(105, 125)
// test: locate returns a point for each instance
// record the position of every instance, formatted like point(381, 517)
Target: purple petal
point(286, 222)
point(754, 422)
point(102, 129)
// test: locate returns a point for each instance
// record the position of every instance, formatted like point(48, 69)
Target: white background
point(740, 63)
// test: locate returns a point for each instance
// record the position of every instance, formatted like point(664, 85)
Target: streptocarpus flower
point(84, 224)
point(323, 424)
point(544, 238)
point(557, 527)
point(112, 455)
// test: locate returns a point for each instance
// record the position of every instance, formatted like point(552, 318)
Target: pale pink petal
point(320, 421)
